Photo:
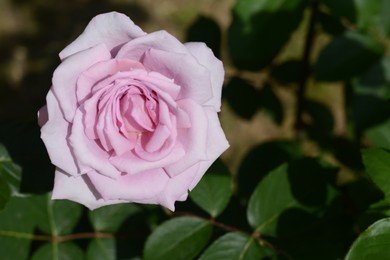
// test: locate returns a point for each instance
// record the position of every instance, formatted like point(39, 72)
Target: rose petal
point(133, 164)
point(100, 71)
point(216, 139)
point(137, 115)
point(113, 29)
point(55, 134)
point(78, 189)
point(118, 142)
point(133, 188)
point(205, 56)
point(161, 84)
point(216, 144)
point(88, 152)
point(194, 139)
point(177, 187)
point(185, 70)
point(164, 135)
point(160, 40)
point(67, 73)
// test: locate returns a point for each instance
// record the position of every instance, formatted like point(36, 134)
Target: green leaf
point(287, 72)
point(213, 192)
point(58, 251)
point(178, 238)
point(16, 229)
point(55, 217)
point(347, 56)
point(101, 249)
point(373, 243)
point(322, 122)
point(252, 40)
point(10, 177)
point(232, 246)
point(330, 23)
point(377, 162)
point(380, 135)
point(374, 213)
point(110, 218)
point(374, 15)
point(300, 184)
point(369, 96)
point(271, 104)
point(237, 90)
point(271, 197)
point(344, 8)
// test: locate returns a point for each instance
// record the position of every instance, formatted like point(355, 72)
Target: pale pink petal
point(107, 129)
point(88, 152)
point(112, 29)
point(158, 138)
point(216, 139)
point(132, 164)
point(177, 187)
point(194, 139)
point(119, 143)
point(67, 73)
point(166, 131)
point(216, 144)
point(203, 167)
point(55, 134)
point(205, 56)
point(100, 71)
point(78, 189)
point(160, 40)
point(185, 70)
point(137, 114)
point(90, 113)
point(133, 188)
point(163, 83)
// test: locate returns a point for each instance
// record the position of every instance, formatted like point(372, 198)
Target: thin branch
point(224, 226)
point(82, 236)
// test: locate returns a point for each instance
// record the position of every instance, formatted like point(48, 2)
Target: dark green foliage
point(346, 56)
point(252, 40)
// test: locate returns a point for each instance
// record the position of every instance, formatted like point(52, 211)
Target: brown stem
point(305, 67)
point(82, 236)
point(224, 226)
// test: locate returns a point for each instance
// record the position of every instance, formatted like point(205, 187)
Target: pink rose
point(131, 116)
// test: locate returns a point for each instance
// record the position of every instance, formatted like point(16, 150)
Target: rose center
point(138, 110)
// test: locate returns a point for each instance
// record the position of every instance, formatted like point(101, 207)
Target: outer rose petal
point(113, 29)
point(177, 187)
point(66, 75)
point(205, 56)
point(54, 134)
point(194, 139)
point(78, 189)
point(160, 40)
point(216, 144)
point(185, 70)
point(142, 187)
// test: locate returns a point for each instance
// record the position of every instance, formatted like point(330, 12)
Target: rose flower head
point(132, 116)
